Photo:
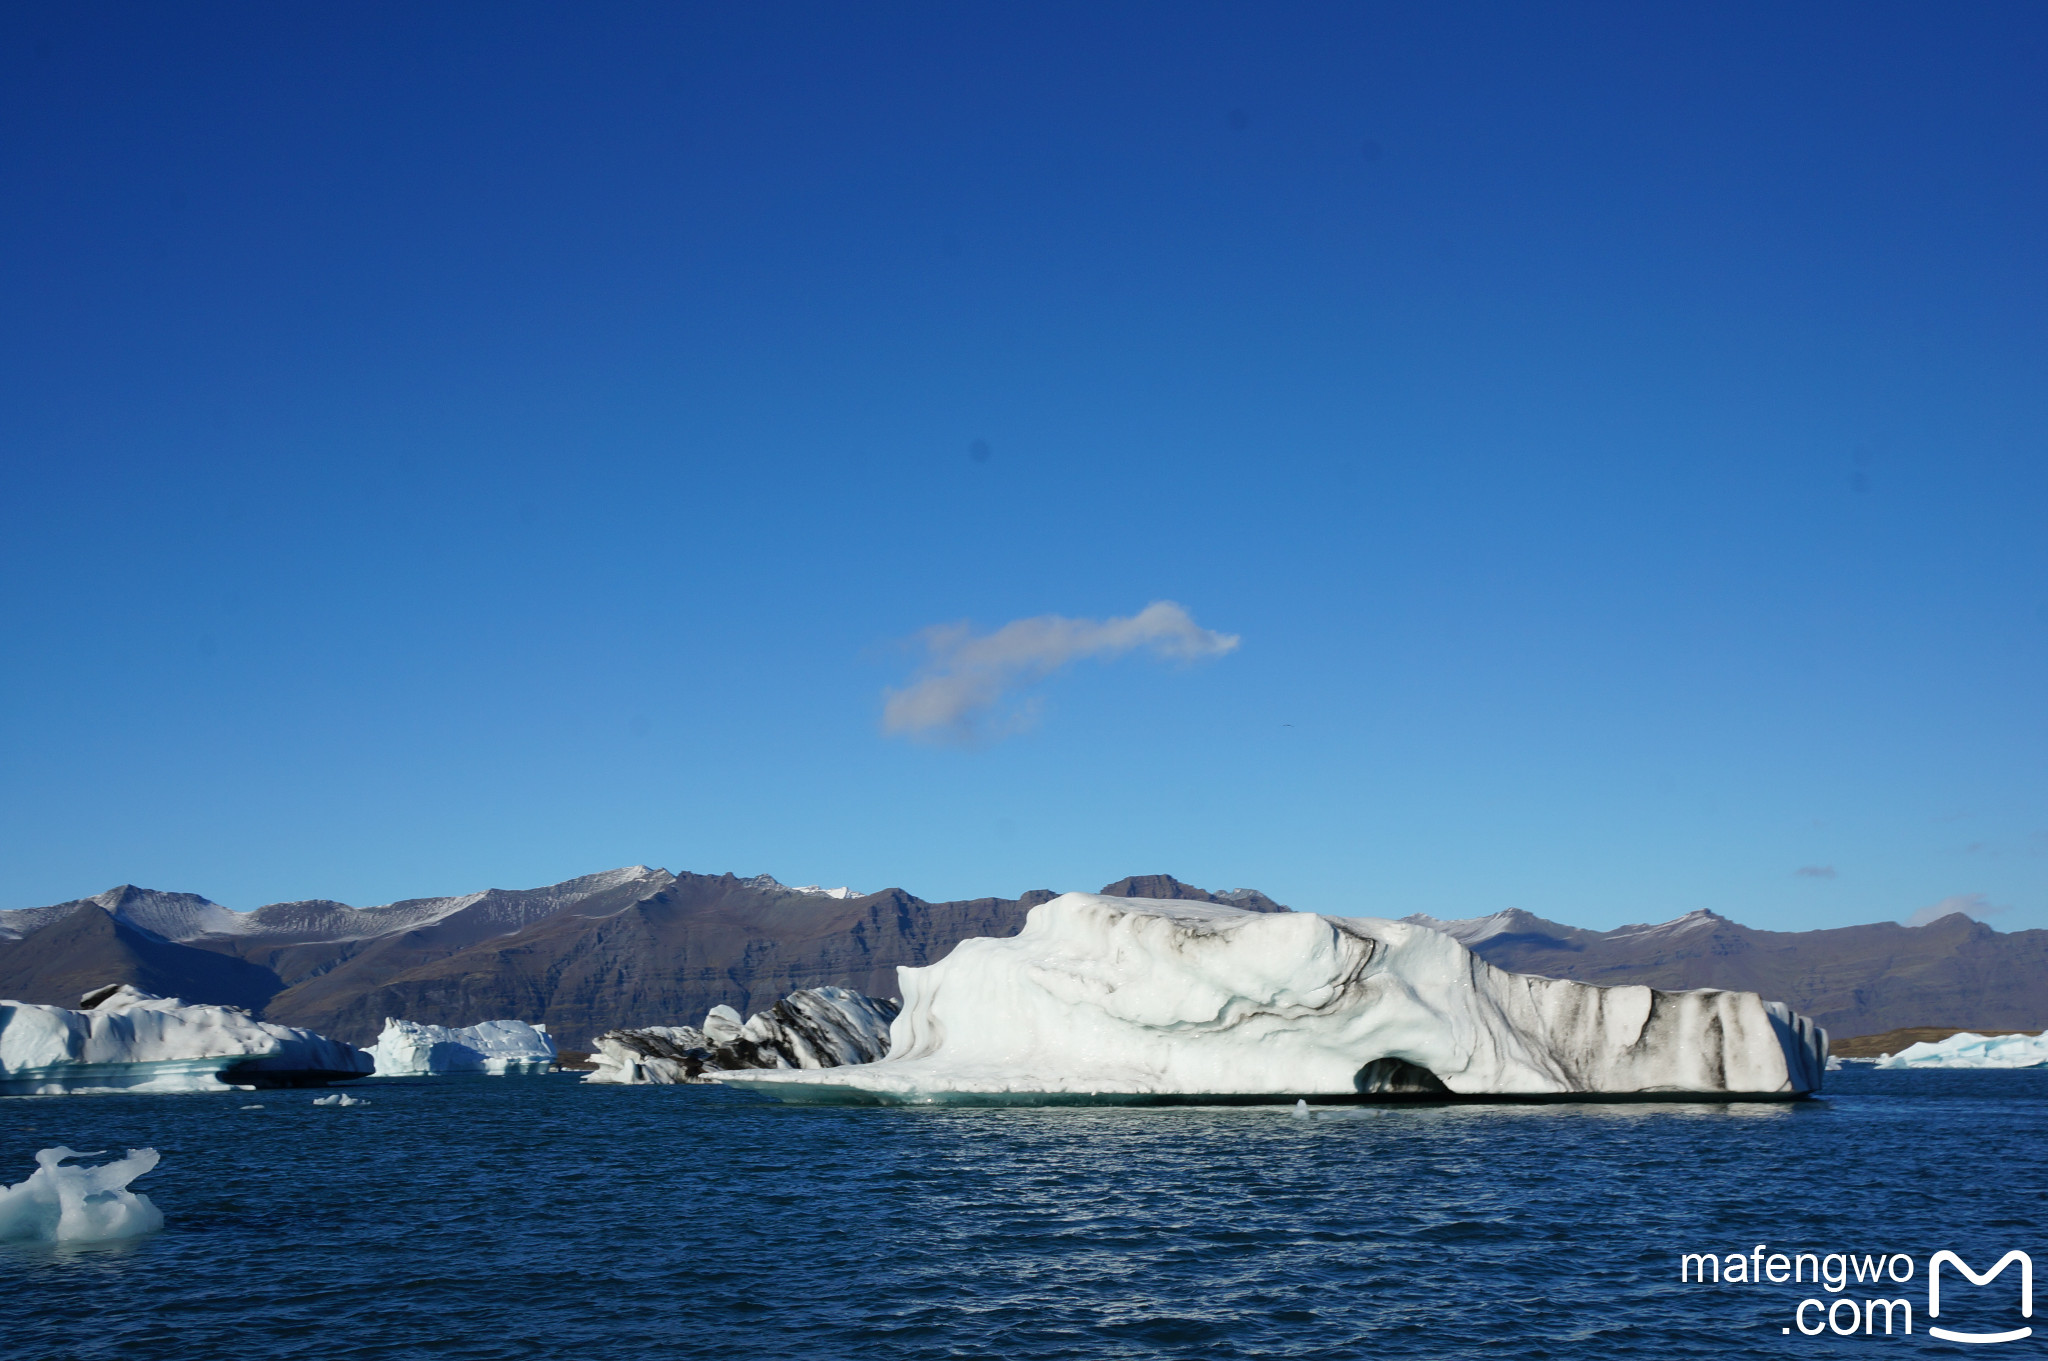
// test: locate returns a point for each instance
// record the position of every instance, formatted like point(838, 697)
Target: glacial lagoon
point(544, 1217)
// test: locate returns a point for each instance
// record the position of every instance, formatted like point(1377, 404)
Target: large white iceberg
point(1967, 1050)
point(1144, 999)
point(59, 1204)
point(124, 1039)
point(811, 1028)
point(414, 1049)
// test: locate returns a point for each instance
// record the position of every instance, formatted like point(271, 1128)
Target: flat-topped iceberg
point(124, 1039)
point(811, 1028)
point(1102, 998)
point(1973, 1051)
point(59, 1204)
point(414, 1049)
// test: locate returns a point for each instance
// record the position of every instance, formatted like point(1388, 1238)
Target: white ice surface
point(415, 1049)
point(1127, 997)
point(136, 1041)
point(1973, 1051)
point(59, 1204)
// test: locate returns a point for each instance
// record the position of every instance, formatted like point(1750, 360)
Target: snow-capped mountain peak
point(768, 883)
point(1700, 919)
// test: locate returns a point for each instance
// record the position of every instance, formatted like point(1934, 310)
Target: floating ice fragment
point(1967, 1050)
point(124, 1039)
point(252, 1108)
point(59, 1204)
point(1301, 1110)
point(340, 1099)
point(415, 1049)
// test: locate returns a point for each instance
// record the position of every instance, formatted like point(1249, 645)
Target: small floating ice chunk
point(1969, 1050)
point(59, 1204)
point(340, 1099)
point(414, 1049)
point(1301, 1110)
point(252, 1108)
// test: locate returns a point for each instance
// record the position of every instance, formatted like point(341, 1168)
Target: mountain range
point(634, 946)
point(642, 946)
point(1853, 980)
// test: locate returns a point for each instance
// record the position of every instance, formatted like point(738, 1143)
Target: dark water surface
point(538, 1217)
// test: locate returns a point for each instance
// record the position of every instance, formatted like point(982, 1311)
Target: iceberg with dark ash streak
point(125, 1039)
point(811, 1028)
point(1102, 998)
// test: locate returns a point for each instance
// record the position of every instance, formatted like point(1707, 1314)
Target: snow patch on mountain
point(186, 917)
point(1690, 924)
point(1469, 931)
point(768, 883)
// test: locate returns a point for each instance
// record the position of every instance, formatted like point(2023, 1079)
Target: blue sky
point(485, 444)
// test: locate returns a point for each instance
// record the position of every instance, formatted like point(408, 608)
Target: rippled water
point(540, 1217)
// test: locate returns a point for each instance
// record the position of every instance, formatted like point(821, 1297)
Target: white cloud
point(966, 679)
point(1973, 905)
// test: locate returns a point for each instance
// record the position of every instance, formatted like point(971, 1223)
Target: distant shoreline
point(1892, 1041)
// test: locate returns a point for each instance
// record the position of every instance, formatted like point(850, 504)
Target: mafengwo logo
point(1880, 1300)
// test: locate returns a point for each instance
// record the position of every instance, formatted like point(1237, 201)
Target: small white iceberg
point(340, 1099)
point(59, 1204)
point(1968, 1050)
point(495, 1048)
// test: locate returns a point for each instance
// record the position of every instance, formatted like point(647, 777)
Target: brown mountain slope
point(322, 976)
point(639, 946)
point(666, 958)
point(1166, 886)
point(88, 948)
point(1854, 980)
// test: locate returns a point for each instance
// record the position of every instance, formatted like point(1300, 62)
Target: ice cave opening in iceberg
point(1102, 999)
